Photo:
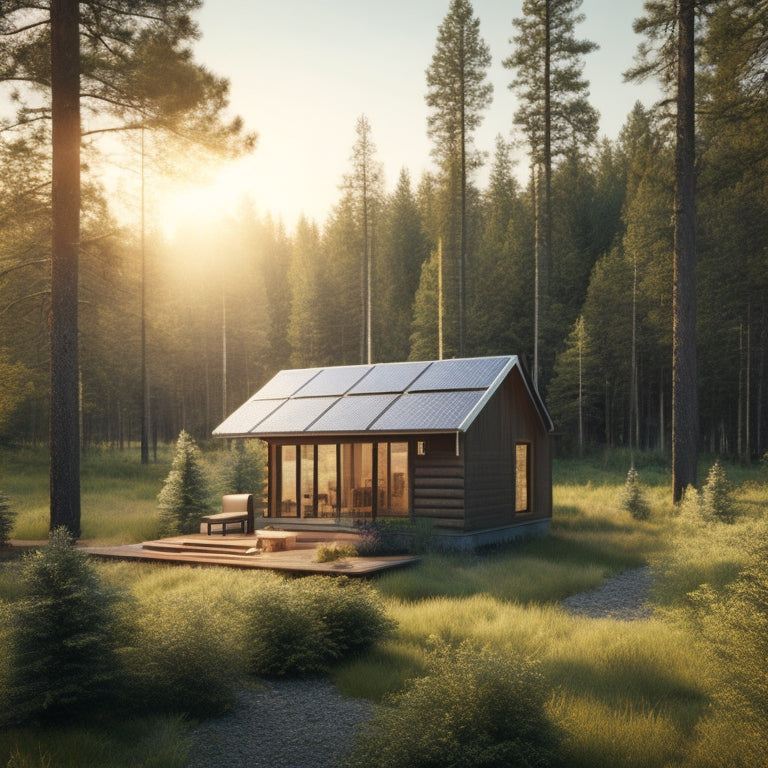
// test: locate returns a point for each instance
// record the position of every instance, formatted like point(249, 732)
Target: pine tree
point(571, 391)
point(402, 249)
point(554, 115)
point(128, 61)
point(183, 501)
point(363, 186)
point(717, 496)
point(632, 499)
point(457, 94)
point(63, 637)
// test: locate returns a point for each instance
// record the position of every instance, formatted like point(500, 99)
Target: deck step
point(225, 548)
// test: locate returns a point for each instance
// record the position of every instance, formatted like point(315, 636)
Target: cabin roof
point(412, 397)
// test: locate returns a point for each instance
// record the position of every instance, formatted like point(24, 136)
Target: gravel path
point(308, 724)
point(621, 597)
point(285, 724)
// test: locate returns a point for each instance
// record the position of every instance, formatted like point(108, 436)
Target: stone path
point(621, 597)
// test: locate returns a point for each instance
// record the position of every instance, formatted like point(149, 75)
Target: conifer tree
point(554, 114)
point(669, 54)
point(183, 500)
point(63, 636)
point(457, 94)
point(128, 62)
point(363, 187)
point(402, 249)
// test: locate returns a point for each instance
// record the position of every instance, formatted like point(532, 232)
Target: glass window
point(288, 506)
point(522, 477)
point(307, 481)
point(357, 478)
point(393, 474)
point(331, 480)
point(326, 480)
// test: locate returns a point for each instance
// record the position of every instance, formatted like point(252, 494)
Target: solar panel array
point(442, 395)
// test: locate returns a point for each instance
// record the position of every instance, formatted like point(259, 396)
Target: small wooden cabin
point(462, 443)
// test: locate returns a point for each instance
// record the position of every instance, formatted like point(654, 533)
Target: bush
point(7, 517)
point(377, 537)
point(717, 496)
point(304, 627)
point(183, 499)
point(63, 635)
point(473, 708)
point(632, 498)
point(329, 553)
point(733, 624)
point(348, 612)
point(182, 656)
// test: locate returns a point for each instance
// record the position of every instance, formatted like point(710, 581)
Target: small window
point(522, 477)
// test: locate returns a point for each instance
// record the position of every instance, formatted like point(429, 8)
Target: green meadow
point(672, 690)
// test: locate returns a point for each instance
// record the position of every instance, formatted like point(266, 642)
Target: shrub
point(183, 499)
point(182, 655)
point(329, 553)
point(632, 498)
point(349, 614)
point(63, 634)
point(473, 708)
point(733, 623)
point(7, 517)
point(377, 537)
point(717, 496)
point(304, 627)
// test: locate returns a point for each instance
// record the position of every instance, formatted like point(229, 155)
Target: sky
point(302, 72)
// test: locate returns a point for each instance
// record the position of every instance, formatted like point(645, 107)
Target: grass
point(149, 742)
point(118, 493)
point(622, 694)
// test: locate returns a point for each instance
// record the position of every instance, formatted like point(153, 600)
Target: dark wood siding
point(508, 418)
point(438, 483)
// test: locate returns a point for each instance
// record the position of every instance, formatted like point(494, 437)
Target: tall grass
point(623, 694)
point(149, 742)
point(118, 494)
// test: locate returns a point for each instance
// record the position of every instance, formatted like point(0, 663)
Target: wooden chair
point(236, 508)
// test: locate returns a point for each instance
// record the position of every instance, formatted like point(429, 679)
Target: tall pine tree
point(457, 94)
point(554, 115)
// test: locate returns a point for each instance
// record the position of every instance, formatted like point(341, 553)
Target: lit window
point(522, 477)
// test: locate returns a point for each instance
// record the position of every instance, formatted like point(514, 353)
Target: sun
point(220, 197)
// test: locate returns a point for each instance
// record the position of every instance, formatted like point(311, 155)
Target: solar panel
point(246, 417)
point(471, 373)
point(428, 410)
point(286, 383)
point(393, 377)
point(353, 413)
point(294, 415)
point(333, 381)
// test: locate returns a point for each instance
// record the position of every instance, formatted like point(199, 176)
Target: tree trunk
point(545, 269)
point(65, 243)
point(685, 413)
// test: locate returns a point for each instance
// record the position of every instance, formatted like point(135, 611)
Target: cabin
point(463, 444)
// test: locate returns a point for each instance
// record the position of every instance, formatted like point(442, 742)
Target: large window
point(288, 496)
point(359, 480)
point(522, 477)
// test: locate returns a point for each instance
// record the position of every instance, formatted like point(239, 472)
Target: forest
point(571, 270)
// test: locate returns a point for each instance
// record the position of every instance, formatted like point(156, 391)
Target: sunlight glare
point(206, 204)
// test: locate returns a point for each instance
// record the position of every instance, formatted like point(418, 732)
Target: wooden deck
point(238, 550)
